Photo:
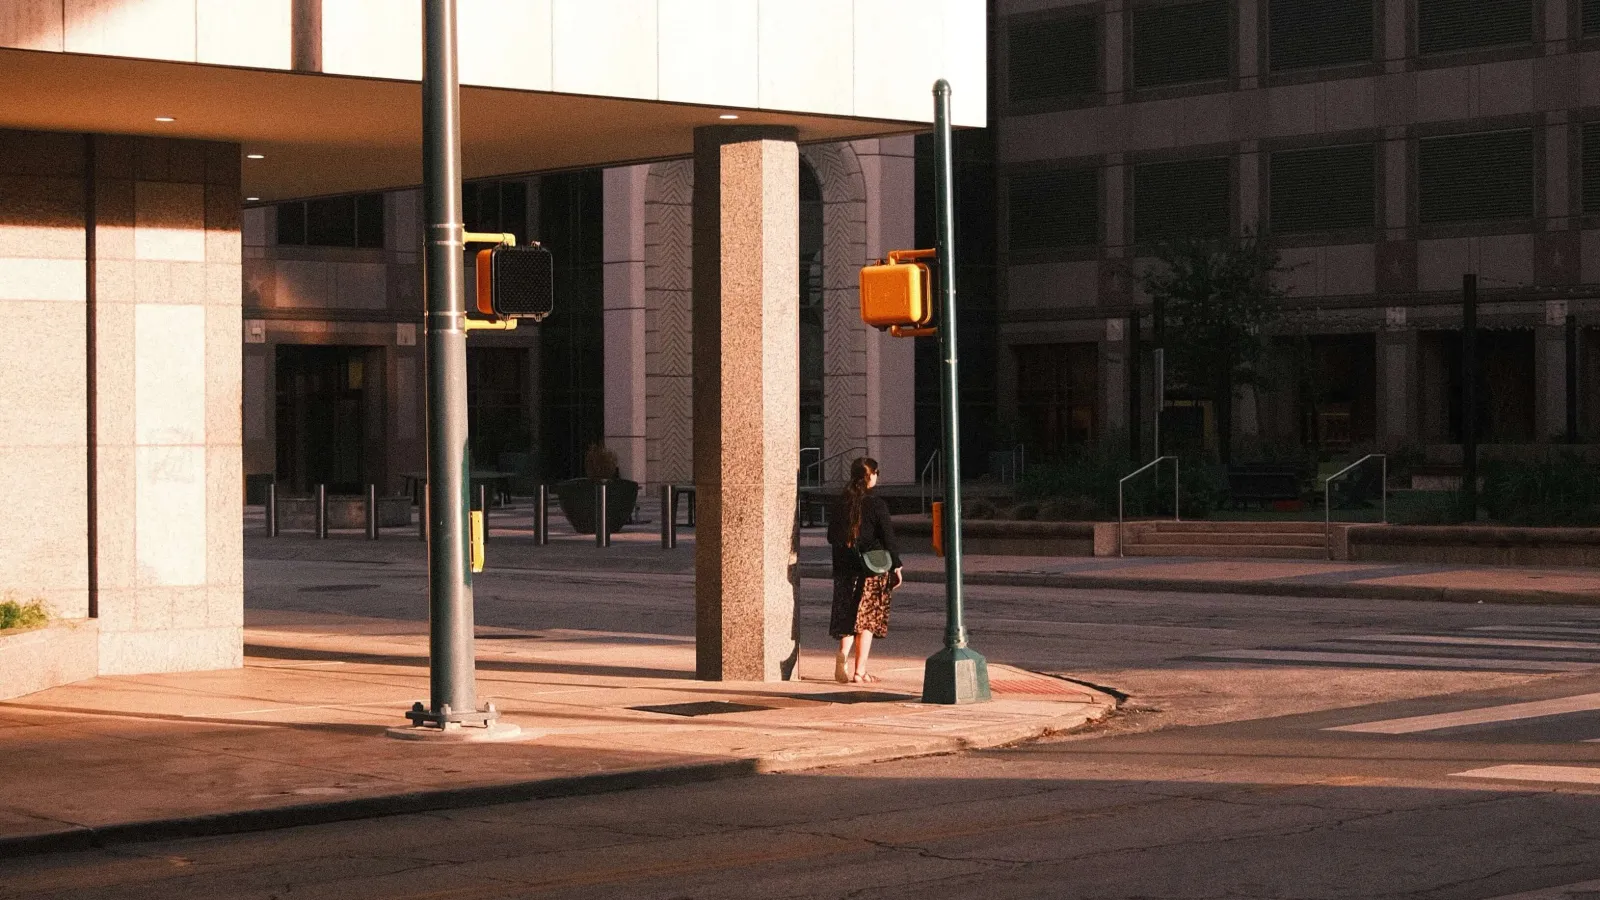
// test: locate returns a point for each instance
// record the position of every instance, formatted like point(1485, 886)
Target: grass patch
point(15, 615)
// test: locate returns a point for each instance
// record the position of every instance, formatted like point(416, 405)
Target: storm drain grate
point(855, 697)
point(702, 708)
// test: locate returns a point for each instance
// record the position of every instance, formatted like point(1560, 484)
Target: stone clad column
point(624, 317)
point(746, 401)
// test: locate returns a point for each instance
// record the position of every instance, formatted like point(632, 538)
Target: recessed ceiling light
point(255, 156)
point(251, 199)
point(165, 119)
point(727, 116)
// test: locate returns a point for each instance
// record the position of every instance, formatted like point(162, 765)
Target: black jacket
point(877, 533)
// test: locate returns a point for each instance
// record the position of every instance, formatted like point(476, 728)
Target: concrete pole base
point(455, 733)
point(953, 676)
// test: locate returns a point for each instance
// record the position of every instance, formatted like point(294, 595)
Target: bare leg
point(863, 648)
point(843, 665)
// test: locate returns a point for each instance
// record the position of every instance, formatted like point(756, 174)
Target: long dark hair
point(856, 493)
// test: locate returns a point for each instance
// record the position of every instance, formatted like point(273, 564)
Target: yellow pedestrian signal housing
point(897, 294)
point(516, 282)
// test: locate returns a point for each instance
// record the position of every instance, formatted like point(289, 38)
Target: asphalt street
point(1268, 748)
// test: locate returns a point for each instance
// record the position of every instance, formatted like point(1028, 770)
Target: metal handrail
point(1327, 497)
point(804, 467)
point(821, 463)
point(1121, 483)
point(931, 479)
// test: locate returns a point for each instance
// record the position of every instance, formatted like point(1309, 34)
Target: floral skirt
point(860, 603)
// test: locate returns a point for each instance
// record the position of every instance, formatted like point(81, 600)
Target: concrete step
point(1213, 526)
point(1224, 538)
point(1227, 551)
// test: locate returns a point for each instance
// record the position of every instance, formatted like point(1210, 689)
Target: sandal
point(841, 671)
point(863, 678)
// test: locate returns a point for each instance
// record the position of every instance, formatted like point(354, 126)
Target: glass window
point(1447, 26)
point(1177, 44)
point(1475, 176)
point(1186, 199)
point(1308, 33)
point(1048, 210)
point(1059, 58)
point(1324, 188)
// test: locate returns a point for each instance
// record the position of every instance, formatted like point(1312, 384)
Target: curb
point(1346, 590)
point(327, 812)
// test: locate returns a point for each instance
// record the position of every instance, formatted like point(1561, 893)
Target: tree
point(1219, 298)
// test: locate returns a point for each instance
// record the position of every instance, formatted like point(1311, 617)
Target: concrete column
point(889, 168)
point(1550, 378)
point(746, 401)
point(624, 317)
point(1398, 394)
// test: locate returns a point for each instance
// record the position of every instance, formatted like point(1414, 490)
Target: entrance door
point(322, 418)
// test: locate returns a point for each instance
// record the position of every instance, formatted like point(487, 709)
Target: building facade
point(1383, 147)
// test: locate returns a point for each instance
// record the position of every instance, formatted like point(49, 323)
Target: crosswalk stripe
point(1448, 640)
point(1538, 629)
point(1394, 659)
point(1576, 891)
point(1567, 774)
point(1508, 712)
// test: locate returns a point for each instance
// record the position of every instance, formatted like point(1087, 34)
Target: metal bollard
point(669, 518)
point(483, 504)
point(372, 512)
point(272, 509)
point(690, 521)
point(322, 511)
point(541, 516)
point(602, 525)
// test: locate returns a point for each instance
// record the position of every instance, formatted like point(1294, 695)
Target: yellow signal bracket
point(907, 331)
point(491, 324)
point(477, 540)
point(489, 237)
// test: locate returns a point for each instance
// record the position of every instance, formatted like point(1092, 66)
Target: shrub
point(22, 615)
point(1561, 491)
point(979, 509)
point(600, 461)
point(1066, 509)
point(1025, 511)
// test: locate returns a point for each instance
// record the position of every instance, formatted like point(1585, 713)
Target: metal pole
point(602, 522)
point(372, 512)
point(1135, 448)
point(1469, 396)
point(541, 516)
point(453, 699)
point(322, 511)
point(483, 504)
point(1572, 378)
point(956, 674)
point(272, 509)
point(669, 519)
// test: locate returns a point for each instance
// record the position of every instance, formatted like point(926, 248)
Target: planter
point(61, 652)
point(576, 499)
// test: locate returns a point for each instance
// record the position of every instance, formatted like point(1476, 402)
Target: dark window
point(1054, 209)
point(1323, 189)
point(1445, 26)
point(1591, 17)
point(1307, 33)
point(1176, 44)
point(292, 223)
point(1059, 58)
point(496, 207)
point(1057, 392)
point(1475, 176)
point(1591, 169)
point(1176, 200)
point(333, 222)
point(369, 221)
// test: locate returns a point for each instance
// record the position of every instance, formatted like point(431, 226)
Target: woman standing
point(860, 524)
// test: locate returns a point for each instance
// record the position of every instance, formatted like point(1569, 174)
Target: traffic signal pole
point(453, 703)
point(956, 674)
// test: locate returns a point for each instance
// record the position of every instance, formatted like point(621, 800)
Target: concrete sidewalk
point(298, 735)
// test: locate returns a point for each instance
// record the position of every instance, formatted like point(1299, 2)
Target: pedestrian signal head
point(516, 282)
point(896, 294)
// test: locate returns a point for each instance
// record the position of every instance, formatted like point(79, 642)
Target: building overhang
point(324, 134)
